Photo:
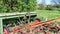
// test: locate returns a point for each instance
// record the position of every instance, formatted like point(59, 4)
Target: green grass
point(48, 14)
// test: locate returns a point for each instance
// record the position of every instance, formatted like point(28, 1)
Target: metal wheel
point(37, 20)
point(5, 31)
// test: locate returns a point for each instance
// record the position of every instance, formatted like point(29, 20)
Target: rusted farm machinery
point(33, 26)
point(11, 23)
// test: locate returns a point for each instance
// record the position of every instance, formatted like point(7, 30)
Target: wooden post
point(1, 26)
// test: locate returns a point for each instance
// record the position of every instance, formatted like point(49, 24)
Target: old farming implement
point(13, 23)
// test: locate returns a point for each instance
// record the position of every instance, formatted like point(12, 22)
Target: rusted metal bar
point(31, 25)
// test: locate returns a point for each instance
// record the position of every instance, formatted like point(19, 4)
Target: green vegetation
point(48, 7)
point(47, 13)
point(17, 5)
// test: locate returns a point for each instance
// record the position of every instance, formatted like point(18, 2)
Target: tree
point(17, 5)
point(56, 4)
point(56, 1)
point(48, 7)
point(40, 7)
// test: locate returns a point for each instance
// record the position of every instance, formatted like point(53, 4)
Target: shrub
point(48, 7)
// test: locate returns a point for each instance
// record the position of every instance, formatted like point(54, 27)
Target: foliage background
point(17, 5)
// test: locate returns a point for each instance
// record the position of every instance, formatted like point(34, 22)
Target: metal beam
point(1, 26)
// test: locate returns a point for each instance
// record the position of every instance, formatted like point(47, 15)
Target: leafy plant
point(17, 5)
